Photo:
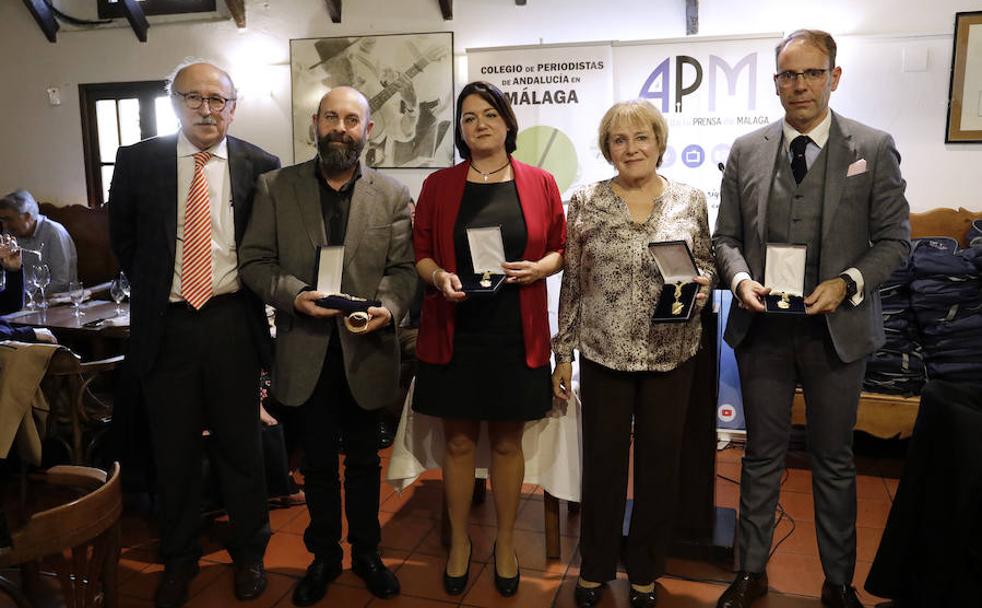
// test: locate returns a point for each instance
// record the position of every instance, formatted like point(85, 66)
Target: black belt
point(225, 298)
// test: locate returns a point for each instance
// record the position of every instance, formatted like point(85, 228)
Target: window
point(119, 114)
point(110, 9)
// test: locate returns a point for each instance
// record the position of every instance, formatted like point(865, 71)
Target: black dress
point(487, 377)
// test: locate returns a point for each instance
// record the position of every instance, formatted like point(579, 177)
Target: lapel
point(241, 177)
point(308, 198)
point(840, 153)
point(165, 161)
point(359, 213)
point(764, 162)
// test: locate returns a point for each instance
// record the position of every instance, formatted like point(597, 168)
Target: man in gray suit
point(335, 377)
point(832, 184)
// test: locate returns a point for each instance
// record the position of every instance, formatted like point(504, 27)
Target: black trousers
point(206, 375)
point(930, 555)
point(330, 413)
point(779, 353)
point(656, 403)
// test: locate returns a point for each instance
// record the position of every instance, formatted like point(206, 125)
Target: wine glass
point(42, 276)
point(124, 283)
point(117, 293)
point(30, 286)
point(77, 293)
point(3, 280)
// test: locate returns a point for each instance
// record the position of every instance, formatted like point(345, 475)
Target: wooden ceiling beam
point(334, 10)
point(138, 21)
point(691, 17)
point(446, 7)
point(521, 2)
point(238, 11)
point(45, 19)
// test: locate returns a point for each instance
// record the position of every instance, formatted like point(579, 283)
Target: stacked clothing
point(898, 367)
point(946, 297)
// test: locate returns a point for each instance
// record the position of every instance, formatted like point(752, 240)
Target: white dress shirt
point(225, 276)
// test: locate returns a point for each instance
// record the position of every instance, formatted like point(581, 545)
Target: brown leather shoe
point(747, 587)
point(250, 580)
point(839, 596)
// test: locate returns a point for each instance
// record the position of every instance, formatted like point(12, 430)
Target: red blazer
point(436, 214)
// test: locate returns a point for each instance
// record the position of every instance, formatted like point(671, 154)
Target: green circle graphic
point(550, 149)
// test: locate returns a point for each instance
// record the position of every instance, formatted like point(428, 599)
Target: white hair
point(189, 61)
point(21, 201)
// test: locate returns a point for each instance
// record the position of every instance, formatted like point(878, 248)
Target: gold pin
point(486, 279)
point(677, 305)
point(784, 304)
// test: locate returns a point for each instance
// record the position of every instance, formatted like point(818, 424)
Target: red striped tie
point(196, 264)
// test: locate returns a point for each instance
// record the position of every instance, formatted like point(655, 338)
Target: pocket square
point(857, 168)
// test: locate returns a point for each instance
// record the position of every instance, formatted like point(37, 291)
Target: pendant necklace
point(489, 173)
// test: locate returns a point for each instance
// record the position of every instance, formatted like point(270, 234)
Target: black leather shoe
point(313, 585)
point(172, 591)
point(250, 580)
point(381, 581)
point(742, 592)
point(587, 597)
point(386, 434)
point(643, 599)
point(455, 585)
point(505, 586)
point(839, 596)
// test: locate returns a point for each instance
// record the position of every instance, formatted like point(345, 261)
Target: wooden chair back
point(943, 221)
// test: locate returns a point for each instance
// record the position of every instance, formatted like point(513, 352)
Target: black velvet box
point(471, 284)
point(784, 273)
point(677, 267)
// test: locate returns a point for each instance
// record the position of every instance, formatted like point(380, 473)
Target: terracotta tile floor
point(411, 546)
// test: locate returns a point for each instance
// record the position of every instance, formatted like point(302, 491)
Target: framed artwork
point(965, 89)
point(408, 80)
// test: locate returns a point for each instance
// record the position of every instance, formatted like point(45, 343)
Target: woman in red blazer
point(485, 357)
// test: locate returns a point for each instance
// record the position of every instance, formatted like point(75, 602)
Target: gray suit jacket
point(864, 224)
point(277, 261)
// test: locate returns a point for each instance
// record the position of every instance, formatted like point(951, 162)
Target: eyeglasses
point(193, 101)
point(789, 77)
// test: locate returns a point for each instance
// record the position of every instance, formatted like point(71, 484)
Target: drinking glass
point(124, 284)
point(77, 293)
point(30, 286)
point(42, 276)
point(117, 293)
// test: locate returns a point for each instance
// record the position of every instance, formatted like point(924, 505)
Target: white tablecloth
point(553, 458)
point(551, 446)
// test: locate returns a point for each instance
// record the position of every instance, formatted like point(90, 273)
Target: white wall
point(41, 145)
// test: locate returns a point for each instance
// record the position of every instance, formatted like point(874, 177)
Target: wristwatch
point(850, 285)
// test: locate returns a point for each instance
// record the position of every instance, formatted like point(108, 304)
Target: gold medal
point(677, 305)
point(486, 279)
point(784, 304)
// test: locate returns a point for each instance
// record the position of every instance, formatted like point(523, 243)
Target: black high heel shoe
point(587, 597)
point(505, 586)
point(643, 599)
point(455, 585)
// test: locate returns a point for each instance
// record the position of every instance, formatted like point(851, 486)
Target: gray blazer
point(277, 261)
point(864, 224)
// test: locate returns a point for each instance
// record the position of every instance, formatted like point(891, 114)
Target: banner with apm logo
point(559, 94)
point(711, 91)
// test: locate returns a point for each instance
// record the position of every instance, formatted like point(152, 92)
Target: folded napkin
point(56, 299)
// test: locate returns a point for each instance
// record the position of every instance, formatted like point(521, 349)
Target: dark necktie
point(799, 166)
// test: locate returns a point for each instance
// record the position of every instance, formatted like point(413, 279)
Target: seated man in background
point(35, 232)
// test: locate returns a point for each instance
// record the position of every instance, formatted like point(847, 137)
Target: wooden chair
point(79, 416)
point(89, 228)
point(80, 539)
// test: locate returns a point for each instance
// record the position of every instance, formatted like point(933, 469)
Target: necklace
point(489, 173)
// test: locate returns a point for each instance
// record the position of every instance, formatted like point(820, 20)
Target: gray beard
point(334, 159)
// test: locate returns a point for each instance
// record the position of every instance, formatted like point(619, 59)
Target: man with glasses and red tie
point(178, 207)
point(833, 185)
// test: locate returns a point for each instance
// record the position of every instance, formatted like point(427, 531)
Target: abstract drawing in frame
point(965, 89)
point(408, 80)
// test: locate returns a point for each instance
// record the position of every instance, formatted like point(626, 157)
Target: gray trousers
point(779, 353)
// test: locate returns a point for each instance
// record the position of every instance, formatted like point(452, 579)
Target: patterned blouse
point(611, 283)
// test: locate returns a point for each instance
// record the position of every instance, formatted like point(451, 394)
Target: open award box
point(487, 256)
point(330, 261)
point(677, 268)
point(784, 274)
